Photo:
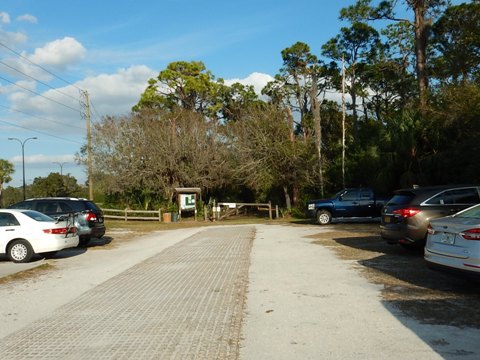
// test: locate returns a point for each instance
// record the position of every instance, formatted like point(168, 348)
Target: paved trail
point(186, 302)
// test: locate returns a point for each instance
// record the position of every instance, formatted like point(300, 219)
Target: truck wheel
point(324, 217)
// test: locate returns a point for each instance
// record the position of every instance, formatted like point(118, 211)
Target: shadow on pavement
point(416, 295)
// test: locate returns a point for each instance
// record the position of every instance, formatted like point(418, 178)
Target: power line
point(41, 67)
point(41, 118)
point(95, 110)
point(43, 96)
point(41, 82)
point(40, 132)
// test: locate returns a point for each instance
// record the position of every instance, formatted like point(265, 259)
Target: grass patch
point(28, 274)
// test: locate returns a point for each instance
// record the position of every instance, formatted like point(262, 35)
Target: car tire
point(416, 246)
point(20, 251)
point(324, 217)
point(83, 241)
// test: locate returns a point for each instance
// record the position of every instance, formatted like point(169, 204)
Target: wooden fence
point(129, 214)
point(220, 211)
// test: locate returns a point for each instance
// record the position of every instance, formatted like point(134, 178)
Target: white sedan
point(24, 233)
point(453, 242)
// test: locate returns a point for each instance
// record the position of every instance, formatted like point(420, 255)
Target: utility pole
point(343, 121)
point(86, 106)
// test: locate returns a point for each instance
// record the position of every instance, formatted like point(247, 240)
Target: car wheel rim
point(19, 252)
point(324, 219)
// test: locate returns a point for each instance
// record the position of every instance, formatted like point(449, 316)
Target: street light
point(23, 158)
point(61, 166)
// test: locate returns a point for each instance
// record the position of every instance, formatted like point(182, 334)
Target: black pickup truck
point(346, 204)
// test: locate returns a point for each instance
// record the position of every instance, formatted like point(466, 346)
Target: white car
point(24, 233)
point(453, 242)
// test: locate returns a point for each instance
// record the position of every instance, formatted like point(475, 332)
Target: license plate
point(386, 219)
point(447, 238)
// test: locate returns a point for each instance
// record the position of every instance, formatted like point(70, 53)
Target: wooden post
point(270, 209)
point(160, 215)
point(195, 216)
point(126, 214)
point(276, 211)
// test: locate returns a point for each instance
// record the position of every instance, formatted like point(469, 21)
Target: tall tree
point(357, 45)
point(301, 86)
point(456, 39)
point(154, 152)
point(295, 78)
point(6, 170)
point(423, 11)
point(265, 156)
point(235, 99)
point(187, 85)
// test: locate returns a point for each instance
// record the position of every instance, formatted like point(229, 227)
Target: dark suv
point(406, 215)
point(88, 216)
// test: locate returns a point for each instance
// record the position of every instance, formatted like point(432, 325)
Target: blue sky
point(111, 48)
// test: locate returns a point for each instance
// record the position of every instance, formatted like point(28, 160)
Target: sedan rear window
point(471, 213)
point(38, 216)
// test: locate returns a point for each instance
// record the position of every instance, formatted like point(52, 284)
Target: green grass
point(27, 274)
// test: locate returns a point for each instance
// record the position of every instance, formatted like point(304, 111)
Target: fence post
point(270, 209)
point(160, 215)
point(276, 211)
point(126, 214)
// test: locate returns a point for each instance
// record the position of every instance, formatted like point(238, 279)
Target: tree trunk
point(288, 203)
point(317, 120)
point(290, 123)
point(422, 26)
point(295, 192)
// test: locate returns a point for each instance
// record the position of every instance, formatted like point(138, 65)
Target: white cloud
point(28, 18)
point(12, 38)
point(258, 80)
point(44, 159)
point(109, 94)
point(59, 53)
point(114, 94)
point(4, 17)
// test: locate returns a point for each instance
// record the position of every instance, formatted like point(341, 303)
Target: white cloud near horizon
point(256, 79)
point(44, 159)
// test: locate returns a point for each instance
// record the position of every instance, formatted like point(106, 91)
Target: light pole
point(23, 158)
point(61, 166)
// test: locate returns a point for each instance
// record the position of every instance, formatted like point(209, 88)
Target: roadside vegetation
point(410, 116)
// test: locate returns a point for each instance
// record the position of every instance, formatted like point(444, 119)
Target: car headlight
point(311, 206)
